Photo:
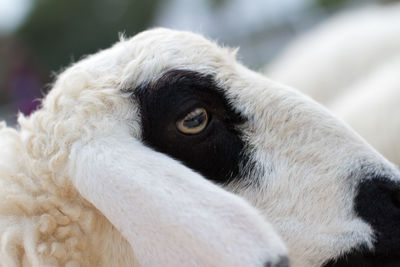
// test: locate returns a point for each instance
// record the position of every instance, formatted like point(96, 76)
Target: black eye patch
point(217, 151)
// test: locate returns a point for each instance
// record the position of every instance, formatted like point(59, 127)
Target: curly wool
point(44, 221)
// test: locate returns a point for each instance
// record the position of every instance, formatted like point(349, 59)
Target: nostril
point(283, 261)
point(396, 198)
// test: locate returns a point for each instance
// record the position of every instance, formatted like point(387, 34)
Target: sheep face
point(326, 191)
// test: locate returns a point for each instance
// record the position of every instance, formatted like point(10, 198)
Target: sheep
point(372, 108)
point(136, 151)
point(341, 51)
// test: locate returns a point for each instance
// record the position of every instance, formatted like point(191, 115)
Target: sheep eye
point(194, 122)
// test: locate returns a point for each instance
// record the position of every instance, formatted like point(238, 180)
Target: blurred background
point(38, 38)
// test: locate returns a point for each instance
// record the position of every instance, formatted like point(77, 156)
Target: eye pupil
point(194, 122)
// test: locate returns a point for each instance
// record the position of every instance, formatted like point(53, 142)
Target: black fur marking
point(377, 202)
point(363, 258)
point(216, 152)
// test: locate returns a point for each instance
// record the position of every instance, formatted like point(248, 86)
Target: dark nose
point(378, 203)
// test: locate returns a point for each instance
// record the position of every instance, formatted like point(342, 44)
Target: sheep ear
point(169, 214)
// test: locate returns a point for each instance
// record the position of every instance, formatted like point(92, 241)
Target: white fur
point(76, 176)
